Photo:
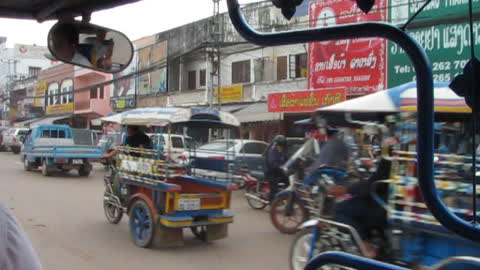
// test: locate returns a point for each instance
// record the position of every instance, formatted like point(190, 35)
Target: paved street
point(63, 215)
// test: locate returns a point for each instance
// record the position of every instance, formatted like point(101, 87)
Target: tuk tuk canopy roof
point(402, 98)
point(166, 116)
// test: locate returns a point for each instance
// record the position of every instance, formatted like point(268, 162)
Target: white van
point(179, 146)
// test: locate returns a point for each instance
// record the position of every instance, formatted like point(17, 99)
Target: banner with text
point(358, 64)
point(305, 101)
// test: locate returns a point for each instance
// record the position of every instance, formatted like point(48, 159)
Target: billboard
point(39, 91)
point(153, 82)
point(229, 93)
point(305, 101)
point(359, 65)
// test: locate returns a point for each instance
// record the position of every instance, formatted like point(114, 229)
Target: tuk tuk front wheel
point(200, 232)
point(302, 248)
point(142, 225)
point(113, 213)
point(287, 218)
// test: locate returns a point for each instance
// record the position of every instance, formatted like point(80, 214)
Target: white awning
point(26, 123)
point(48, 120)
point(257, 112)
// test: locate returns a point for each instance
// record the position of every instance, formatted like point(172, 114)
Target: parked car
point(12, 139)
point(52, 147)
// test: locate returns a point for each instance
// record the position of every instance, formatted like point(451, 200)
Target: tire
point(84, 170)
point(27, 165)
point(255, 204)
point(45, 169)
point(16, 150)
point(142, 225)
point(200, 232)
point(279, 218)
point(112, 213)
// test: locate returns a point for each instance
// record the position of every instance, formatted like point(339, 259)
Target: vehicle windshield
point(190, 143)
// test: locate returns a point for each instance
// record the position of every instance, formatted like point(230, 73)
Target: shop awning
point(233, 108)
point(26, 123)
point(257, 112)
point(48, 120)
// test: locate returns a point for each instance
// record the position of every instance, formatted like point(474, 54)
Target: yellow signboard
point(59, 109)
point(39, 90)
point(229, 93)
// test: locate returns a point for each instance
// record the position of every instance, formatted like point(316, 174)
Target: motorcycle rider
point(275, 157)
point(334, 154)
point(361, 211)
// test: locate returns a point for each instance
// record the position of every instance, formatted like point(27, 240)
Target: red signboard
point(304, 101)
point(358, 64)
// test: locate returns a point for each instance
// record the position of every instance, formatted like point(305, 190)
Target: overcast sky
point(136, 20)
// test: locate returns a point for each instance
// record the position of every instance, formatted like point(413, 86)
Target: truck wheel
point(84, 170)
point(16, 150)
point(142, 224)
point(45, 169)
point(27, 165)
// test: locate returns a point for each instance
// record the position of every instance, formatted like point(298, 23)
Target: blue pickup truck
point(53, 148)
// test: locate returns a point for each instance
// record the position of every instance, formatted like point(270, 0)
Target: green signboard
point(401, 10)
point(447, 45)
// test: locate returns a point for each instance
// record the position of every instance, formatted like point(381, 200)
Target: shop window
point(203, 77)
point(281, 68)
point(298, 65)
point(93, 93)
point(241, 72)
point(263, 68)
point(192, 80)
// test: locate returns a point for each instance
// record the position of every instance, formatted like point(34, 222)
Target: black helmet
point(280, 140)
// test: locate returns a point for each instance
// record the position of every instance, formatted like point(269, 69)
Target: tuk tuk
point(161, 196)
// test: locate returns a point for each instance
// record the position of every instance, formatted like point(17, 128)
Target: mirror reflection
point(90, 46)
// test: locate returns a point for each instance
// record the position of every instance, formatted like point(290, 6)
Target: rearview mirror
point(90, 46)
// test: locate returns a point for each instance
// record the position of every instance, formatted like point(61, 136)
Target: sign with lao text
point(304, 101)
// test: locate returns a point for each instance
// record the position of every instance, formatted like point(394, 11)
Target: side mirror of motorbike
point(90, 46)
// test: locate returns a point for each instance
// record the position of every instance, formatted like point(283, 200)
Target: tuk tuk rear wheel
point(112, 212)
point(200, 232)
point(142, 224)
point(287, 223)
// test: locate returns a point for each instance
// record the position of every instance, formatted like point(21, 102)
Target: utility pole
point(215, 53)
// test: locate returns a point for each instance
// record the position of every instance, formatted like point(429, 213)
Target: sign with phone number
point(448, 47)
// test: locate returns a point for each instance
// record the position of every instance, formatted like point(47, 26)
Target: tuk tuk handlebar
point(424, 79)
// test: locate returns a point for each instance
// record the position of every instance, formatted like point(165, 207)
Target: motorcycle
point(257, 190)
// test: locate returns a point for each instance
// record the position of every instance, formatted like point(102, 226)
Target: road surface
point(63, 216)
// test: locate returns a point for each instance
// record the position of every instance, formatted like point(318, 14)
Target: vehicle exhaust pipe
point(251, 196)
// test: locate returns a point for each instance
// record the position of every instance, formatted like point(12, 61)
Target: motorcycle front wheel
point(261, 194)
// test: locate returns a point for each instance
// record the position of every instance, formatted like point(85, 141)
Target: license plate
point(188, 204)
point(77, 161)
